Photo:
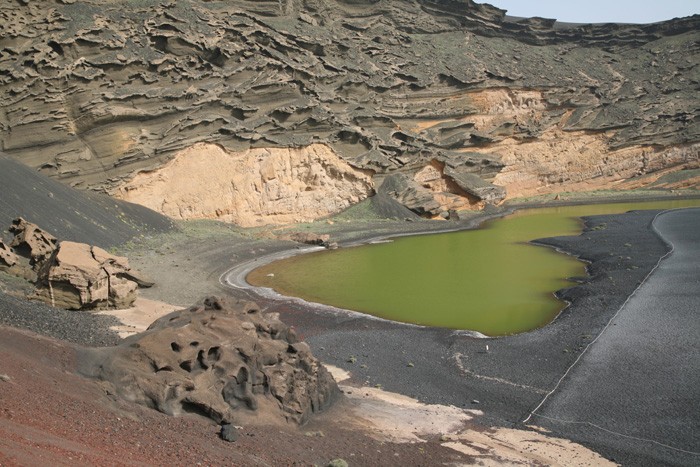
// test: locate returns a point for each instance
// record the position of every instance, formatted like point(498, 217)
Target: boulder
point(13, 264)
point(476, 186)
point(308, 238)
point(229, 433)
point(78, 276)
point(8, 258)
point(31, 241)
point(223, 360)
point(411, 194)
point(141, 278)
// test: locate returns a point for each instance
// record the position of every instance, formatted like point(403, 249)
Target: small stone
point(229, 433)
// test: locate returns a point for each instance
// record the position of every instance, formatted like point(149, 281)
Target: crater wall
point(93, 93)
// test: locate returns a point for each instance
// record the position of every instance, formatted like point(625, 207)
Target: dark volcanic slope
point(90, 329)
point(67, 213)
point(91, 92)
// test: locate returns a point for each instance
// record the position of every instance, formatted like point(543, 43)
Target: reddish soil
point(50, 415)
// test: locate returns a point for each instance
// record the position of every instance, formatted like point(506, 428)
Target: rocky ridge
point(95, 92)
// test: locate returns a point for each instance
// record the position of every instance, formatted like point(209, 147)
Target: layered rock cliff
point(261, 185)
point(455, 103)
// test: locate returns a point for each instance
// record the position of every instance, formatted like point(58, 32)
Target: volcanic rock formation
point(223, 360)
point(78, 276)
point(68, 274)
point(9, 261)
point(455, 103)
point(32, 242)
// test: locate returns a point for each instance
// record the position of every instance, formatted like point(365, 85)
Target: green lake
point(488, 280)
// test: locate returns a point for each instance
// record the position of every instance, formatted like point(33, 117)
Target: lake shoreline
point(435, 365)
point(507, 381)
point(500, 385)
point(511, 377)
point(238, 276)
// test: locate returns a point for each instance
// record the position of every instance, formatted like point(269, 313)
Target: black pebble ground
point(78, 327)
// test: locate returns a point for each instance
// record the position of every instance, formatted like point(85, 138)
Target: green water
point(487, 280)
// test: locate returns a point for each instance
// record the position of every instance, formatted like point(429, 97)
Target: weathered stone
point(78, 276)
point(142, 279)
point(411, 194)
point(31, 241)
point(223, 360)
point(308, 238)
point(476, 186)
point(228, 433)
point(8, 257)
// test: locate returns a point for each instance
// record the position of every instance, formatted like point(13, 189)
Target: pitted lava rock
point(224, 360)
point(32, 241)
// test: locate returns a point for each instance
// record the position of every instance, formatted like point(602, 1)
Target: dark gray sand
point(77, 327)
point(635, 394)
point(69, 214)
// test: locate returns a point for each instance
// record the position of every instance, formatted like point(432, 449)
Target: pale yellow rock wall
point(577, 161)
point(562, 161)
point(252, 187)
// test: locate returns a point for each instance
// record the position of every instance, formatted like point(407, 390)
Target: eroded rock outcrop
point(252, 187)
point(7, 256)
point(78, 276)
point(223, 360)
point(409, 192)
point(32, 241)
point(308, 238)
point(452, 183)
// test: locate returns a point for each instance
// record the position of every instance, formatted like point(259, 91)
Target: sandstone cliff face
point(252, 187)
point(559, 162)
point(92, 93)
